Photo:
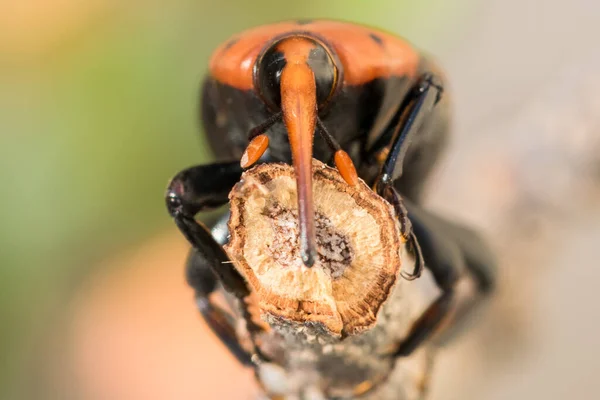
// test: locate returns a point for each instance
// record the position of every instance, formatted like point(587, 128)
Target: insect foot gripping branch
point(333, 327)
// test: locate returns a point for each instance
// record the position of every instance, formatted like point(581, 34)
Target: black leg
point(202, 188)
point(389, 193)
point(426, 324)
point(199, 189)
point(203, 280)
point(446, 249)
point(451, 252)
point(423, 98)
point(406, 152)
point(416, 109)
point(446, 262)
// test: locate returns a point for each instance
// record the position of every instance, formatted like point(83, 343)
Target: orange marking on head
point(299, 106)
point(234, 65)
point(256, 148)
point(344, 164)
point(362, 60)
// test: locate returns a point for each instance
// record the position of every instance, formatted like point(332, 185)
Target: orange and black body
point(360, 98)
point(375, 73)
point(350, 83)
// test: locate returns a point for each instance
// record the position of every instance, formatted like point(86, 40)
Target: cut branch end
point(358, 240)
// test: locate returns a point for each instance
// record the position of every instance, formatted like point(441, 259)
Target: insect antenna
point(342, 160)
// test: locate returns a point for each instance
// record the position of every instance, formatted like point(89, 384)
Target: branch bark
point(329, 329)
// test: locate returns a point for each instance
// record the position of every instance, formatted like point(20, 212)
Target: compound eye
point(268, 76)
point(296, 49)
point(326, 73)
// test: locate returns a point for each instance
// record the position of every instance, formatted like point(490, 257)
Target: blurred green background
point(98, 109)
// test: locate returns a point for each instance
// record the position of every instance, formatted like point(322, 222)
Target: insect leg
point(448, 250)
point(410, 119)
point(200, 277)
point(451, 251)
point(191, 191)
point(406, 151)
point(389, 193)
point(422, 100)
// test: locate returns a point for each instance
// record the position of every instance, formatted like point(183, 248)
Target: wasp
point(360, 98)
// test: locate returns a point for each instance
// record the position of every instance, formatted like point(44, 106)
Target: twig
point(329, 330)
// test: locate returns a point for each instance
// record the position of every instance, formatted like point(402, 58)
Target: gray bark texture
point(318, 366)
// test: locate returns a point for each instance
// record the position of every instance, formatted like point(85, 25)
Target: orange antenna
point(256, 148)
point(259, 141)
point(342, 160)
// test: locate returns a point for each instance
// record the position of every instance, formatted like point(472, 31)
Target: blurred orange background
point(98, 109)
